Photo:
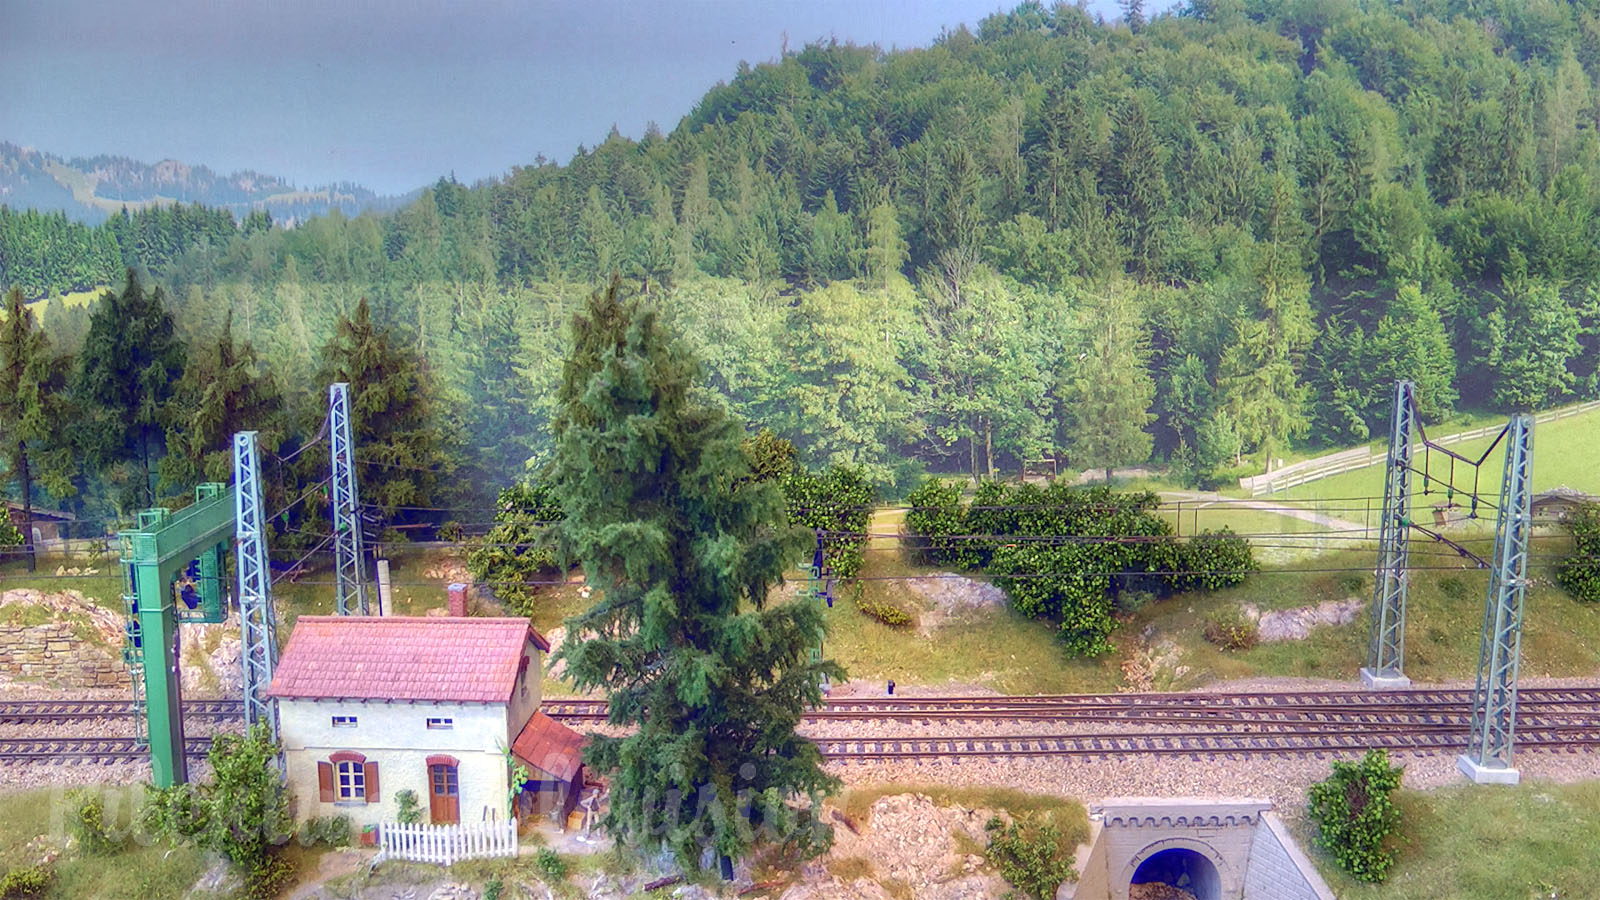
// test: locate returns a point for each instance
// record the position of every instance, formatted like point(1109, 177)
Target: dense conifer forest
point(1199, 240)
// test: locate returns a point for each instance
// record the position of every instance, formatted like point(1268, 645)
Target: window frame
point(439, 723)
point(356, 781)
point(344, 721)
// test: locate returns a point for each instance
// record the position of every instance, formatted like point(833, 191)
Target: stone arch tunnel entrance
point(1181, 867)
point(1212, 848)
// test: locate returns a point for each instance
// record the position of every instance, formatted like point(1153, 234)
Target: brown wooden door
point(444, 795)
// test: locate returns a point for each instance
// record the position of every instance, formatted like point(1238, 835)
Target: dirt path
point(1282, 508)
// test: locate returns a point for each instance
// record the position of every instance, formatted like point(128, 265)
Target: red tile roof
point(550, 747)
point(462, 660)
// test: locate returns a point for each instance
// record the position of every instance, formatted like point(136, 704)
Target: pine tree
point(683, 544)
point(402, 440)
point(32, 396)
point(128, 369)
point(1108, 398)
point(223, 391)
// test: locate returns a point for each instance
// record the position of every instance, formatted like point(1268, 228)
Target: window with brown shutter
point(372, 782)
point(325, 781)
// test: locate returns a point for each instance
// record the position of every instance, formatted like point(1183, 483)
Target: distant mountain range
point(90, 189)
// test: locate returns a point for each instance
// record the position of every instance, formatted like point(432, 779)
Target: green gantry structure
point(172, 574)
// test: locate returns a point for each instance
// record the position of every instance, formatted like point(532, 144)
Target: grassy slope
point(1563, 454)
point(153, 872)
point(1502, 843)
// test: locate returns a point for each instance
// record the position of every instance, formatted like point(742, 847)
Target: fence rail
point(446, 844)
point(1361, 457)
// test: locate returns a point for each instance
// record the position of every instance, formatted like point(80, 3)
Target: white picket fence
point(446, 844)
point(1359, 458)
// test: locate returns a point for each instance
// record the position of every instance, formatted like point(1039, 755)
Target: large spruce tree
point(403, 441)
point(32, 399)
point(129, 368)
point(224, 391)
point(683, 545)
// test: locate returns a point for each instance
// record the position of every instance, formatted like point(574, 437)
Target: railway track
point(1353, 707)
point(1230, 726)
point(105, 751)
point(25, 712)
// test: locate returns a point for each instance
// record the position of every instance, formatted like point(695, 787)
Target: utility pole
point(1386, 653)
point(256, 621)
point(1494, 700)
point(350, 587)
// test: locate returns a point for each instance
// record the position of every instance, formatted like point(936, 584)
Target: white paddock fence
point(446, 844)
point(1361, 457)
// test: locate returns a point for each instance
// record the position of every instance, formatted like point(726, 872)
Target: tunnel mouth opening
point(1181, 868)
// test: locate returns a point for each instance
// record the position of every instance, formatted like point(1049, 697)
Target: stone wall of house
point(55, 654)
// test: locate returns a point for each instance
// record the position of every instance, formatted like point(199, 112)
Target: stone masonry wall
point(54, 654)
point(1278, 870)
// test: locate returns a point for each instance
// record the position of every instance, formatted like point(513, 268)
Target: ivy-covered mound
point(1063, 553)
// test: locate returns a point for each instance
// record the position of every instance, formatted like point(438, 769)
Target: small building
point(1556, 504)
point(48, 524)
point(369, 706)
point(553, 754)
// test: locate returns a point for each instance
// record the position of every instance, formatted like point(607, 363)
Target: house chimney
point(458, 599)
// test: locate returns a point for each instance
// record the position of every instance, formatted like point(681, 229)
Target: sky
point(393, 94)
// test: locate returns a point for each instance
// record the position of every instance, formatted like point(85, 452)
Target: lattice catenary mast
point(350, 587)
point(1494, 701)
point(257, 630)
point(1386, 653)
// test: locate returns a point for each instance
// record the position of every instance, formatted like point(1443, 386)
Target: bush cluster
point(1231, 630)
point(88, 822)
point(516, 550)
point(1065, 553)
point(884, 611)
point(552, 868)
point(330, 831)
point(1029, 855)
point(1356, 816)
point(1580, 572)
point(26, 882)
point(838, 502)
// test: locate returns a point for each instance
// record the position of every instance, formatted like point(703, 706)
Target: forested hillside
point(1208, 237)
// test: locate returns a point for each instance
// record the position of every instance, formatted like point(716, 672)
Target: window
point(352, 781)
point(344, 721)
point(347, 777)
point(441, 723)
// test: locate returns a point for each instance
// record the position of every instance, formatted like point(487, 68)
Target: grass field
point(1534, 840)
point(32, 823)
point(1565, 452)
point(997, 648)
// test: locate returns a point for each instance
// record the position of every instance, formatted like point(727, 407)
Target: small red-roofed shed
point(553, 754)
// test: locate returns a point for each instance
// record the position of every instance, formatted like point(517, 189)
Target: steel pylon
point(350, 588)
point(1494, 700)
point(256, 621)
point(1387, 647)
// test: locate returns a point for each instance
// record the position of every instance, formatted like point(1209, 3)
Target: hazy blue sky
point(394, 93)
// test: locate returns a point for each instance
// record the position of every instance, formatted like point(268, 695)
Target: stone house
point(370, 706)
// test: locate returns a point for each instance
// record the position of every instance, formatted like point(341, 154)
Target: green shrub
point(1213, 560)
point(331, 831)
point(1356, 816)
point(552, 868)
point(884, 612)
point(517, 550)
point(1029, 855)
point(451, 531)
point(26, 882)
point(1580, 572)
point(493, 888)
point(1231, 630)
point(88, 822)
point(838, 501)
point(10, 535)
point(409, 810)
